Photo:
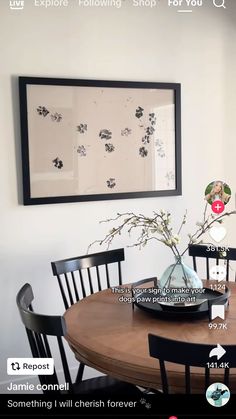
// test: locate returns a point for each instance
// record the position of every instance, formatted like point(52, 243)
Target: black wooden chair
point(201, 251)
point(81, 276)
point(38, 328)
point(189, 355)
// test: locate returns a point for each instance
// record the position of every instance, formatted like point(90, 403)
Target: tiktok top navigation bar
point(177, 5)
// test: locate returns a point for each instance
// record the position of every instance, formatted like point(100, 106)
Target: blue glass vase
point(178, 276)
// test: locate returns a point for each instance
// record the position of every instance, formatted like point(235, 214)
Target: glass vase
point(177, 277)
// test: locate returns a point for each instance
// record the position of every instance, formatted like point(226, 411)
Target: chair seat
point(105, 385)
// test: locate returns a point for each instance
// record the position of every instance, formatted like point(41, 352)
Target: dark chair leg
point(80, 373)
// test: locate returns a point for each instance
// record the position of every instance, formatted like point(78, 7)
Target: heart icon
point(217, 233)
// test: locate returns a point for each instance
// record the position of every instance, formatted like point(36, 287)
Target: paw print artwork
point(81, 150)
point(126, 131)
point(170, 177)
point(139, 112)
point(150, 130)
point(146, 139)
point(152, 118)
point(82, 128)
point(143, 152)
point(56, 117)
point(42, 111)
point(109, 147)
point(57, 163)
point(105, 134)
point(160, 148)
point(111, 182)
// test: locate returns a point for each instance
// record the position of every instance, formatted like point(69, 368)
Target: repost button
point(30, 366)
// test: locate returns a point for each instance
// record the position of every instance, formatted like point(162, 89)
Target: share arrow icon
point(218, 351)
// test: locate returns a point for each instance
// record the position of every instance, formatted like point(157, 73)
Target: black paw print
point(139, 112)
point(143, 152)
point(57, 163)
point(42, 111)
point(146, 139)
point(109, 147)
point(105, 134)
point(82, 128)
point(150, 130)
point(152, 118)
point(111, 182)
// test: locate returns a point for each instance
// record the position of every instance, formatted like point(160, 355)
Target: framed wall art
point(86, 140)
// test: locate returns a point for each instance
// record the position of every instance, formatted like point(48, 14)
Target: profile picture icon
point(217, 191)
point(217, 394)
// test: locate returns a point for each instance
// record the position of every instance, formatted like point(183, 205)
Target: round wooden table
point(111, 337)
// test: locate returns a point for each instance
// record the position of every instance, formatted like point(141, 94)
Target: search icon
point(222, 3)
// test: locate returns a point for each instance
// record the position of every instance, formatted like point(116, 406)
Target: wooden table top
point(112, 338)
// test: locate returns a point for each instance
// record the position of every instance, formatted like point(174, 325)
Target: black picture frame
point(32, 87)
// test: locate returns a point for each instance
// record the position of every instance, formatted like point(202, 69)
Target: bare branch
point(156, 228)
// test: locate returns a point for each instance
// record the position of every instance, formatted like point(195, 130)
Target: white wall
point(129, 43)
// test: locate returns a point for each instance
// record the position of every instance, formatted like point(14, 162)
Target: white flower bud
point(199, 224)
point(176, 238)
